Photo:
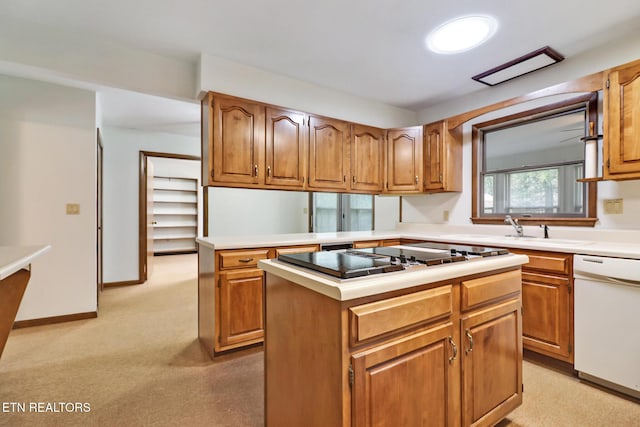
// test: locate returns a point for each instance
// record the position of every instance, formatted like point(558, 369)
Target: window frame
point(342, 217)
point(588, 101)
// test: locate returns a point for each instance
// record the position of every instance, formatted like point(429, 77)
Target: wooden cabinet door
point(241, 308)
point(547, 315)
point(285, 144)
point(622, 122)
point(404, 160)
point(407, 382)
point(434, 135)
point(237, 140)
point(442, 158)
point(367, 158)
point(491, 363)
point(328, 153)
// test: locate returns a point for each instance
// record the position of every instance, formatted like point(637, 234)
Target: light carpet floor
point(139, 363)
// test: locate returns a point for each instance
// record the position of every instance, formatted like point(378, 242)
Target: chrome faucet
point(514, 223)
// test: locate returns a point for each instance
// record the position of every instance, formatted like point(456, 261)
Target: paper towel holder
point(591, 157)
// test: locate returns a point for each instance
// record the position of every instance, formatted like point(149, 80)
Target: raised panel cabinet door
point(404, 160)
point(491, 363)
point(238, 139)
point(547, 315)
point(367, 158)
point(241, 307)
point(622, 122)
point(285, 143)
point(407, 382)
point(434, 156)
point(328, 153)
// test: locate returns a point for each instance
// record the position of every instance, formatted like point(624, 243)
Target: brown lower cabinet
point(443, 354)
point(547, 304)
point(231, 296)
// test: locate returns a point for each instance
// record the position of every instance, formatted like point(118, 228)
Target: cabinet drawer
point(241, 259)
point(544, 261)
point(367, 244)
point(295, 250)
point(485, 289)
point(380, 317)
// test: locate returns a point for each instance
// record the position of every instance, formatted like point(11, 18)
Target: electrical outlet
point(73, 209)
point(613, 206)
point(445, 215)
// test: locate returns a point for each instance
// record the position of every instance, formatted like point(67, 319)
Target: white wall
point(387, 212)
point(120, 199)
point(224, 76)
point(48, 159)
point(430, 208)
point(241, 212)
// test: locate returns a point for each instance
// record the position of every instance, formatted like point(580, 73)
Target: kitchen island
point(14, 276)
point(428, 346)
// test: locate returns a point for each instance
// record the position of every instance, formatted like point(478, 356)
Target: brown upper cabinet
point(248, 144)
point(442, 159)
point(367, 158)
point(285, 148)
point(622, 122)
point(328, 154)
point(236, 138)
point(404, 160)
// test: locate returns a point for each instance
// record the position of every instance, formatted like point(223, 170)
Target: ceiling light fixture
point(525, 64)
point(461, 34)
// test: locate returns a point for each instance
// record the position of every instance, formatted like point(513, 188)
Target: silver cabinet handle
point(268, 170)
point(255, 170)
point(470, 337)
point(455, 350)
point(245, 259)
point(416, 179)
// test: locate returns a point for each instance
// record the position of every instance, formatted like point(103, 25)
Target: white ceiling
point(369, 48)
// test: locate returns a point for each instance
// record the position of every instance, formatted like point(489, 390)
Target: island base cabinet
point(491, 363)
point(407, 382)
point(439, 354)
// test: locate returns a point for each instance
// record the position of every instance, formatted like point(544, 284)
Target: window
point(341, 212)
point(529, 165)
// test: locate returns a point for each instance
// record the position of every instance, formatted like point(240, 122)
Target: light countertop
point(347, 289)
point(259, 241)
point(613, 243)
point(14, 258)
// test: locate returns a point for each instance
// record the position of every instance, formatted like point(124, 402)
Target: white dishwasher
point(607, 321)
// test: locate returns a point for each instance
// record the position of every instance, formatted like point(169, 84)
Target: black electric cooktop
point(342, 264)
point(350, 263)
point(482, 251)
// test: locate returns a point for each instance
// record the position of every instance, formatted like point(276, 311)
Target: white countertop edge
point(292, 239)
point(611, 249)
point(348, 289)
point(14, 258)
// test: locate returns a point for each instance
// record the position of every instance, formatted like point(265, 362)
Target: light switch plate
point(73, 209)
point(613, 206)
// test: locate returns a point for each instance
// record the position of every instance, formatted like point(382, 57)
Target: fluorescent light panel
point(523, 65)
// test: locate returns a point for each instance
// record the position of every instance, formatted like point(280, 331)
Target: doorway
point(99, 213)
point(149, 167)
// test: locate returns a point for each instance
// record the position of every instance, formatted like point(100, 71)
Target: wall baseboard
point(54, 319)
point(123, 283)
